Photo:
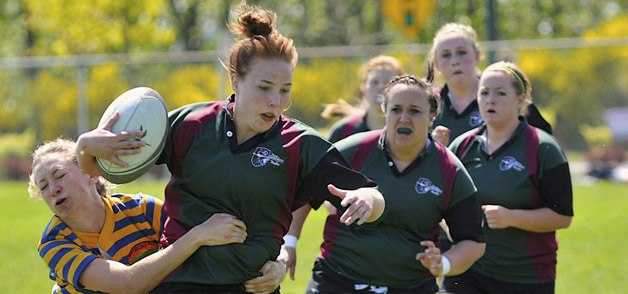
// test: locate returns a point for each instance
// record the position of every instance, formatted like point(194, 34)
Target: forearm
point(86, 161)
point(541, 220)
point(463, 254)
point(298, 218)
point(141, 277)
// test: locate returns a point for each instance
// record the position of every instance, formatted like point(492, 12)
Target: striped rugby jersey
point(132, 228)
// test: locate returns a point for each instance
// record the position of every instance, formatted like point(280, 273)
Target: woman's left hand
point(431, 258)
point(271, 275)
point(363, 204)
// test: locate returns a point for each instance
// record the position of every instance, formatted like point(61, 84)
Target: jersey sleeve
point(65, 259)
point(331, 169)
point(464, 220)
point(153, 209)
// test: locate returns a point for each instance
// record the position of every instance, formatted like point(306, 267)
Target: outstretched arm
point(364, 204)
point(115, 277)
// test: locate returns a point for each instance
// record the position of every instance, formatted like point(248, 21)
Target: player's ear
point(233, 77)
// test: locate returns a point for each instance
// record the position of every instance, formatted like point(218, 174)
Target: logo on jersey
point(509, 162)
point(424, 185)
point(142, 250)
point(475, 119)
point(262, 156)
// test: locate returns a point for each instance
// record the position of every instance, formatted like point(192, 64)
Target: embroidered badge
point(424, 185)
point(509, 162)
point(262, 156)
point(475, 119)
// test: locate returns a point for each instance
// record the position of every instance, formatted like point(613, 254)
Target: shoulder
point(196, 111)
point(294, 131)
point(358, 139)
point(345, 126)
point(56, 229)
point(122, 202)
point(548, 146)
point(457, 142)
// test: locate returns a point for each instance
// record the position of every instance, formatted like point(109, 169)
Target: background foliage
point(56, 51)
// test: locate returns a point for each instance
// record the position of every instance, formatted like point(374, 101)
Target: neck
point(461, 95)
point(497, 135)
point(91, 219)
point(403, 156)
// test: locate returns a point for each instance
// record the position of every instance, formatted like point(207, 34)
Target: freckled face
point(375, 82)
point(408, 116)
point(497, 99)
point(63, 186)
point(261, 95)
point(455, 58)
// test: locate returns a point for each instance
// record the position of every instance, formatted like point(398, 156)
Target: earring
point(289, 104)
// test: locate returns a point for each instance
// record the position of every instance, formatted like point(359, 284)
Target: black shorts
point(171, 288)
point(473, 282)
point(325, 281)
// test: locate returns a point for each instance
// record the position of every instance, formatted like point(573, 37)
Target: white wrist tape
point(445, 264)
point(290, 241)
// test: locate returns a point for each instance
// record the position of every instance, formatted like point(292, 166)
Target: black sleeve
point(555, 190)
point(537, 120)
point(464, 220)
point(332, 169)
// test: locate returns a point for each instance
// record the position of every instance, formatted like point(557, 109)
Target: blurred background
point(62, 62)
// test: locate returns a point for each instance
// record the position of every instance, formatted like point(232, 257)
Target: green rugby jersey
point(348, 126)
point(433, 187)
point(132, 228)
point(529, 171)
point(457, 123)
point(260, 181)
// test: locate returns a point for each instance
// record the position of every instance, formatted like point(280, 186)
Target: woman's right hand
point(104, 144)
point(441, 134)
point(220, 229)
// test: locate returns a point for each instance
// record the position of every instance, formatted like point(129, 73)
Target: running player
point(524, 187)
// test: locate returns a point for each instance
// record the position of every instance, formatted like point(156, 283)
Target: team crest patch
point(475, 119)
point(262, 156)
point(424, 185)
point(509, 162)
point(142, 250)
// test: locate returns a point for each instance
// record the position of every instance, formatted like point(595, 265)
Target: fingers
point(337, 192)
point(222, 228)
point(430, 258)
point(272, 273)
point(288, 256)
point(111, 121)
point(356, 213)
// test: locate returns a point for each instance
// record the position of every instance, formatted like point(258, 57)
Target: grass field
point(591, 258)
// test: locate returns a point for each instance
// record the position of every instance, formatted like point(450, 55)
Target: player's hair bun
point(253, 22)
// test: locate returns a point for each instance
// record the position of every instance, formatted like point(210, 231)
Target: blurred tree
point(580, 83)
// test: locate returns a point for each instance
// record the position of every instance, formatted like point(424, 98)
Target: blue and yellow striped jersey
point(132, 228)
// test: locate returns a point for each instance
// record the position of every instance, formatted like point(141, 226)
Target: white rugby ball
point(143, 109)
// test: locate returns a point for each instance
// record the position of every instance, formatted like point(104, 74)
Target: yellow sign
point(408, 15)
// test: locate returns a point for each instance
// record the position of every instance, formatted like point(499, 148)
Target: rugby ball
point(142, 109)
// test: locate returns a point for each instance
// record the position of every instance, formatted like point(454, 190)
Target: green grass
point(591, 256)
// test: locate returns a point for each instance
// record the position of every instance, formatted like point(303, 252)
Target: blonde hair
point(454, 27)
point(520, 81)
point(342, 108)
point(59, 148)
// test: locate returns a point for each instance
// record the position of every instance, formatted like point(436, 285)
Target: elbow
point(564, 222)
